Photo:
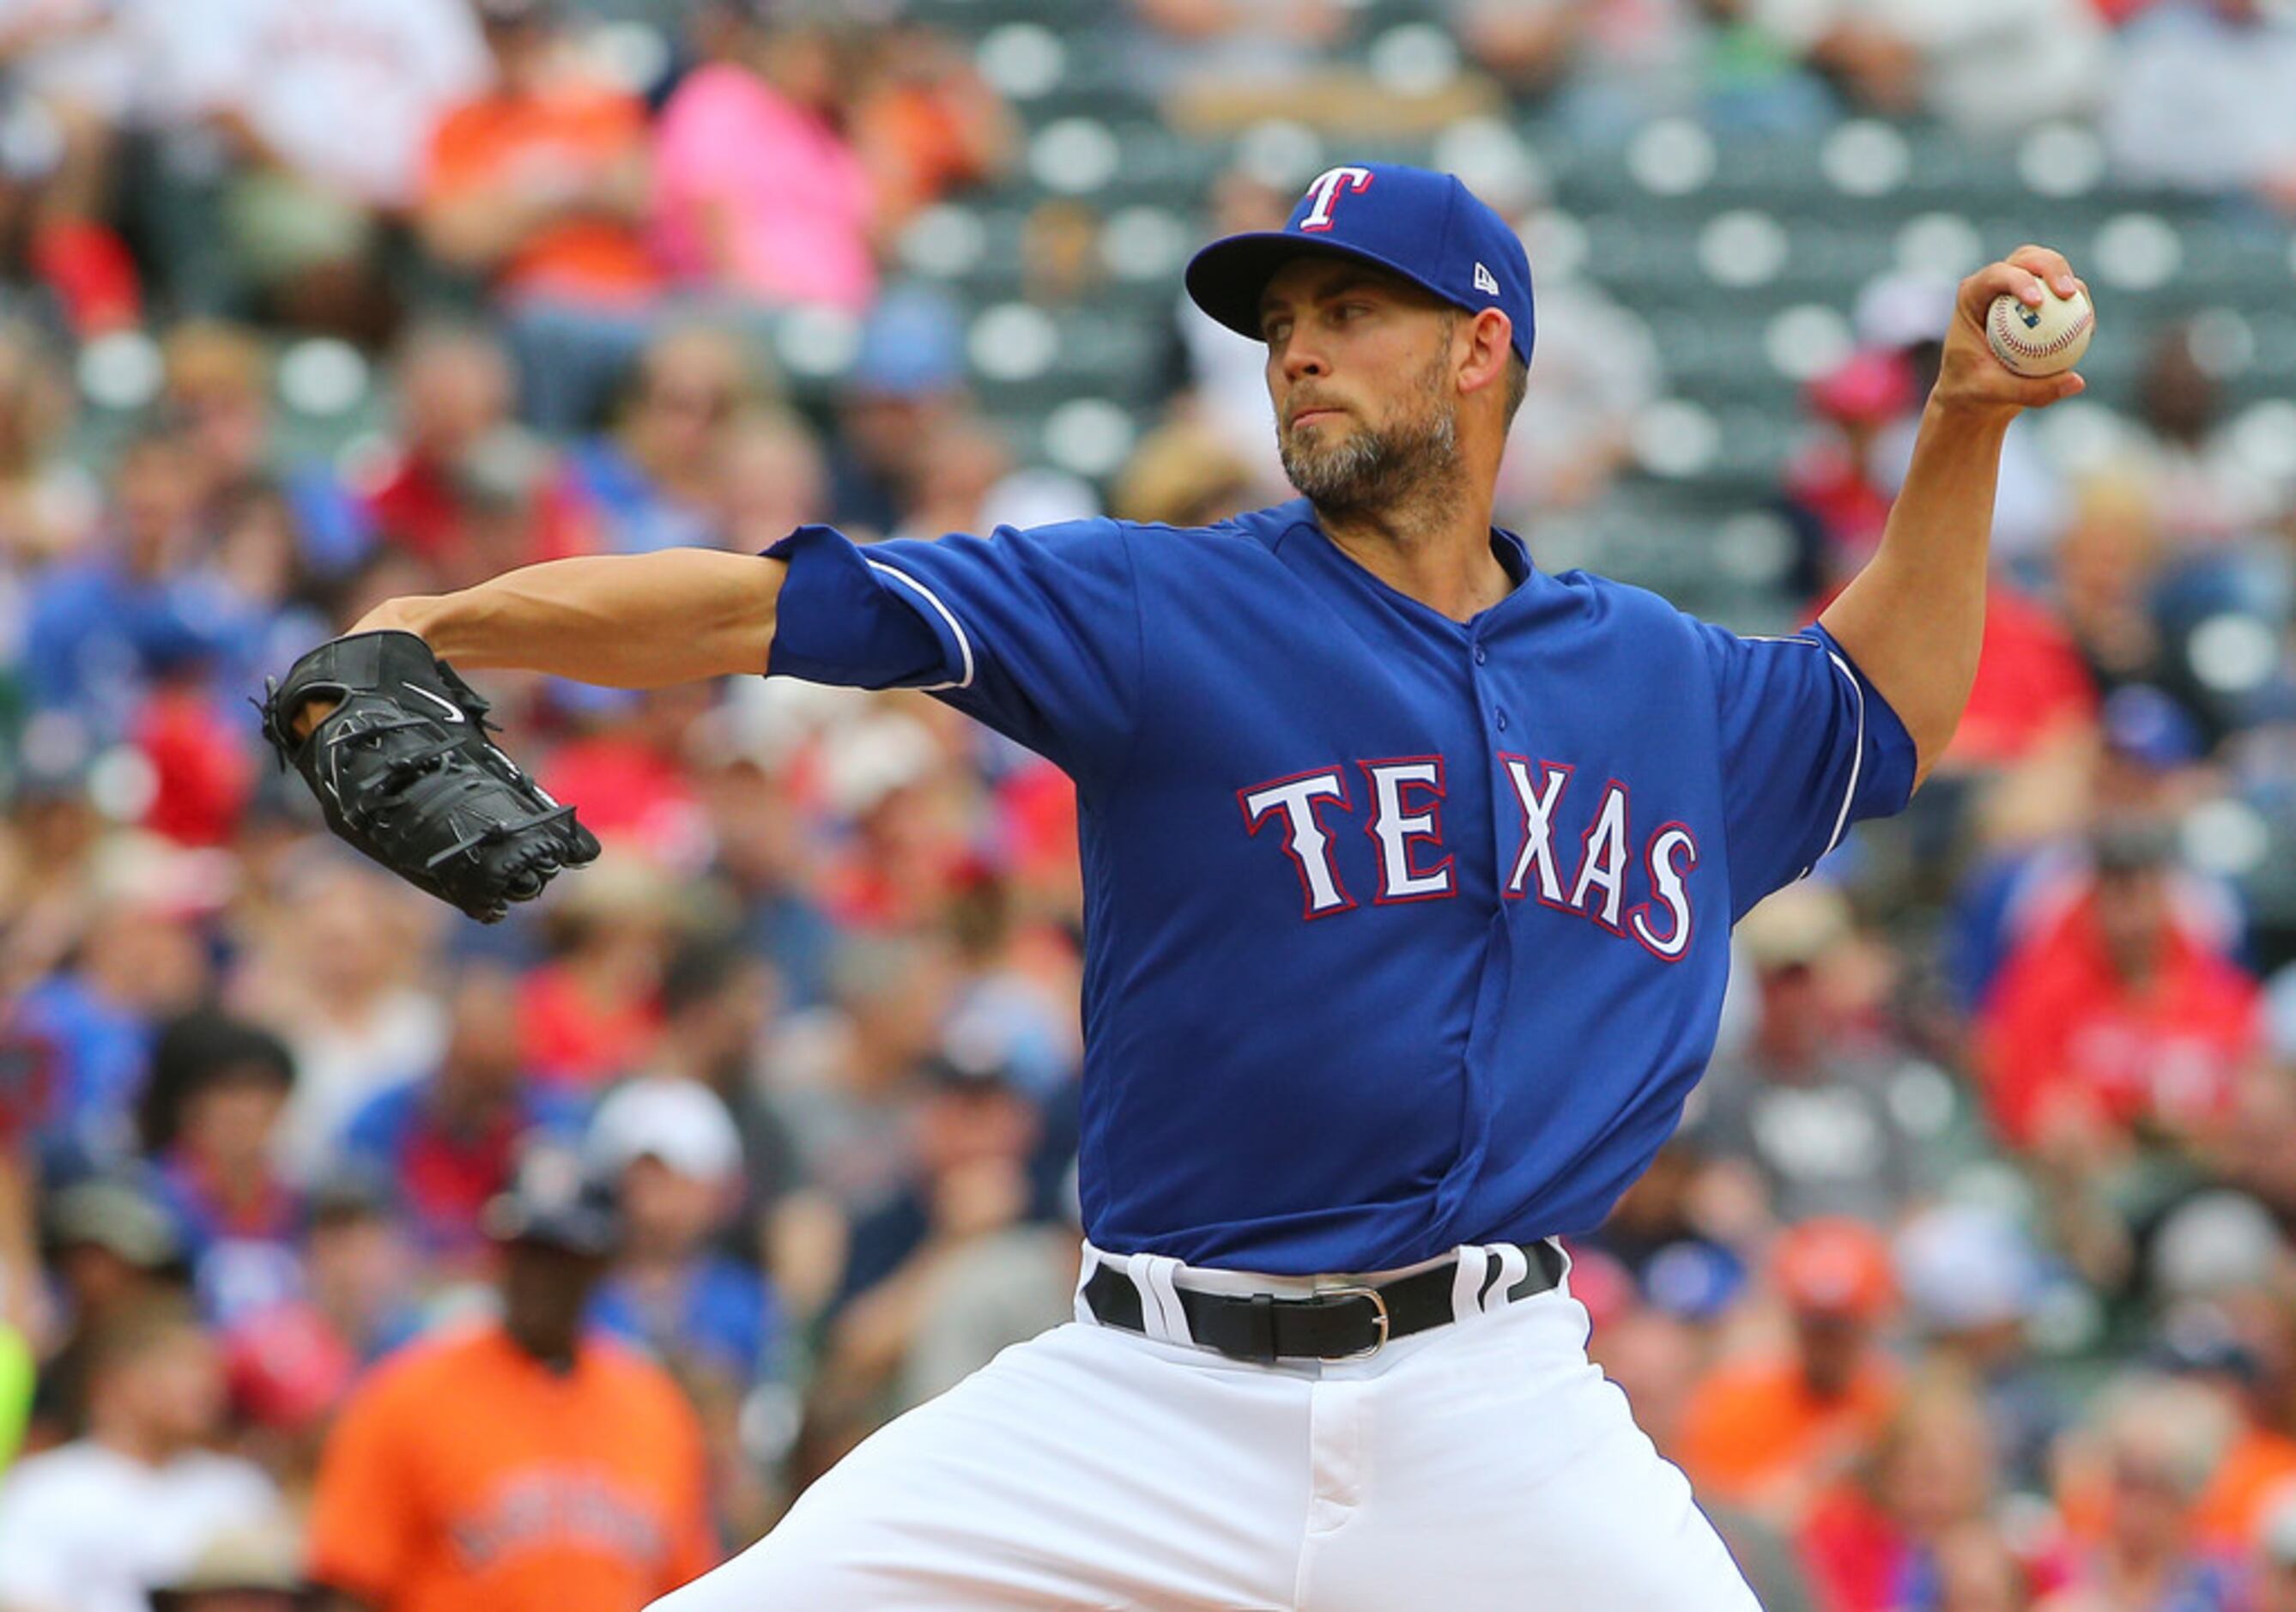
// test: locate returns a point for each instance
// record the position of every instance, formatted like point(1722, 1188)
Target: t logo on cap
point(1326, 188)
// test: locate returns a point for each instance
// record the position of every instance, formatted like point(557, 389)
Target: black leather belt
point(1337, 1324)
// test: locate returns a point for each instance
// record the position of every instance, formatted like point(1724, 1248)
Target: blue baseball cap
point(1426, 226)
point(2147, 725)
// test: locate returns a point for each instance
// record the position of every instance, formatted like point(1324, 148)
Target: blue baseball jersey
point(1400, 932)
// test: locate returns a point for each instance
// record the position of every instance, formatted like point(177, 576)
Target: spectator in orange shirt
point(520, 1466)
point(1768, 1431)
point(539, 185)
point(2238, 1351)
point(926, 122)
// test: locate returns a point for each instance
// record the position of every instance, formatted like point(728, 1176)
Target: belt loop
point(1513, 1263)
point(1470, 1269)
point(1160, 1313)
point(1550, 1260)
point(1091, 1260)
point(1262, 1337)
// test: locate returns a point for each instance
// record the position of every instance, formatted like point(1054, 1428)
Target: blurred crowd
point(1969, 1283)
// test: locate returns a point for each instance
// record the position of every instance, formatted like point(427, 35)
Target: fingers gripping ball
point(2042, 341)
point(405, 773)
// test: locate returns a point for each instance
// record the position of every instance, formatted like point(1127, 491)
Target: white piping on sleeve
point(1856, 753)
point(963, 643)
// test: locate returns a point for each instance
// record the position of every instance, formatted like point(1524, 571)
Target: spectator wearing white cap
point(675, 1157)
point(2218, 1270)
point(1972, 1281)
point(672, 1151)
point(2214, 1245)
point(2237, 1353)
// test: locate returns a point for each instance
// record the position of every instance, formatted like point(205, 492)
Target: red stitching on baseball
point(2028, 350)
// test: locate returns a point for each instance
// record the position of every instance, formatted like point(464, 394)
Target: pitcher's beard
point(1393, 467)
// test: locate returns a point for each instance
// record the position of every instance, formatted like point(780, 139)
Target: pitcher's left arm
point(1913, 618)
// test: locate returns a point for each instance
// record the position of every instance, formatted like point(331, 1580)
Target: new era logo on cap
point(1425, 227)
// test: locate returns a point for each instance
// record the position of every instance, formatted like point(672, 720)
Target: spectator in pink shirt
point(758, 194)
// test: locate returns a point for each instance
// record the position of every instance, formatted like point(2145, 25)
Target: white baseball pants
point(1481, 1465)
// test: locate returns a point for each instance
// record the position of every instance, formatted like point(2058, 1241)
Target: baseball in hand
point(2044, 341)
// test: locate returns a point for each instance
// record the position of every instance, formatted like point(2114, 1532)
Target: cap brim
point(174, 1601)
point(590, 1242)
point(1228, 278)
point(574, 1230)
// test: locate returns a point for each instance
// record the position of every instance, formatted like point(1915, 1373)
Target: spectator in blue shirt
point(91, 1023)
point(145, 602)
point(211, 1115)
point(449, 1139)
point(673, 1152)
point(975, 1135)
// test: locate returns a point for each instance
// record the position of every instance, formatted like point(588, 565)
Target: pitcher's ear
point(1489, 345)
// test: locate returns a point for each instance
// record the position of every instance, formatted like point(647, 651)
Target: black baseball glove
point(404, 772)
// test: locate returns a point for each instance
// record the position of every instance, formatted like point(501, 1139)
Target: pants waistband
point(1329, 1318)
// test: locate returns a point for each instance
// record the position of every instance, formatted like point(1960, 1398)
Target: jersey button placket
point(1479, 653)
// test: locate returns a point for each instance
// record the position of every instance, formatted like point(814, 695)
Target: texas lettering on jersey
point(1586, 874)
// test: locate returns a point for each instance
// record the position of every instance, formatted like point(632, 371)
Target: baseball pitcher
point(1410, 870)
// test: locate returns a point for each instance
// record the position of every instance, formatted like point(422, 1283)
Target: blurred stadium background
point(1969, 1283)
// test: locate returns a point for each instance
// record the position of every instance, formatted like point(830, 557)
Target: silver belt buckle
point(1379, 1312)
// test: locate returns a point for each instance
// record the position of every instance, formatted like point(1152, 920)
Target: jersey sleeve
point(1807, 747)
point(1037, 633)
point(362, 1526)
